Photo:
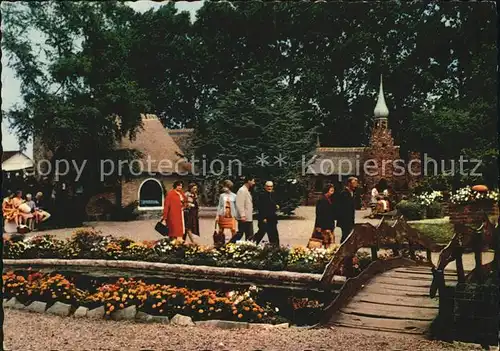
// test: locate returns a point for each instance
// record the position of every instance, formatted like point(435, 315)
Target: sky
point(11, 85)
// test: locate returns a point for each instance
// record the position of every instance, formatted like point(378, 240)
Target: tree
point(257, 126)
point(78, 82)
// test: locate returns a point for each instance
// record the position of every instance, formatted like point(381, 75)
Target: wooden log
point(390, 311)
point(180, 271)
point(414, 276)
point(388, 290)
point(388, 325)
point(401, 282)
point(394, 300)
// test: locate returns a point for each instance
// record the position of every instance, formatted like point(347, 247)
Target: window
point(151, 195)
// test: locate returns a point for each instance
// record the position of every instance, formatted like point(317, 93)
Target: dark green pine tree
point(255, 129)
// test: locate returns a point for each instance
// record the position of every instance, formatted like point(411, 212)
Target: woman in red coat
point(173, 211)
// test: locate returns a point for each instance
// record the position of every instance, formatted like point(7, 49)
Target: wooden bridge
point(401, 294)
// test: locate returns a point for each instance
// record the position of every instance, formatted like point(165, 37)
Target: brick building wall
point(381, 152)
point(472, 213)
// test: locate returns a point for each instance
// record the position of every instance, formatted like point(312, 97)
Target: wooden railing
point(365, 235)
point(475, 240)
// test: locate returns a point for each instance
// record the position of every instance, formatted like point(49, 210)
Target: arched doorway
point(151, 195)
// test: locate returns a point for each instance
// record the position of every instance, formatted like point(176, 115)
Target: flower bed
point(468, 206)
point(247, 305)
point(89, 244)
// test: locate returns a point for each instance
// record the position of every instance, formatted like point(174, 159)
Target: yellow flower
point(200, 311)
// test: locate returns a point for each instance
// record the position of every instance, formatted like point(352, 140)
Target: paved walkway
point(293, 232)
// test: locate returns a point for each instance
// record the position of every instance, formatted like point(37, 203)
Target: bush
point(435, 210)
point(411, 210)
point(125, 213)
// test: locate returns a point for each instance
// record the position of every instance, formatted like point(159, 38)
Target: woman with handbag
point(226, 209)
point(325, 216)
point(173, 211)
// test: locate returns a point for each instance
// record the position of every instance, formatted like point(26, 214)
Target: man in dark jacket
point(268, 220)
point(346, 208)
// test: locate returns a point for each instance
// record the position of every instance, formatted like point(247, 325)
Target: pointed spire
point(317, 141)
point(381, 110)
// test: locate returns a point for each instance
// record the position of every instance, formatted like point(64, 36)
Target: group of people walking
point(235, 212)
point(25, 212)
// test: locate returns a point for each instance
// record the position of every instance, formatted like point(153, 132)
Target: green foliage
point(73, 90)
point(260, 116)
point(102, 59)
point(438, 182)
point(411, 210)
point(434, 210)
point(439, 232)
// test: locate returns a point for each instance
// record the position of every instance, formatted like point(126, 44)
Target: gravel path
point(27, 331)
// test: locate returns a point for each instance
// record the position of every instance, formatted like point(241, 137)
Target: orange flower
point(240, 316)
point(234, 311)
point(154, 306)
point(112, 308)
point(200, 311)
point(259, 316)
point(122, 306)
point(246, 308)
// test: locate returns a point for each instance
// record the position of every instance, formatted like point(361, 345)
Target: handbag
point(316, 241)
point(161, 228)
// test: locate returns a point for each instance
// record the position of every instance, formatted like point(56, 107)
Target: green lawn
point(439, 232)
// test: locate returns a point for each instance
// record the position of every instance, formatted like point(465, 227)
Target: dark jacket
point(267, 207)
point(325, 214)
point(345, 208)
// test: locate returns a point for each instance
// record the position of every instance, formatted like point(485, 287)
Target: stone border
point(132, 314)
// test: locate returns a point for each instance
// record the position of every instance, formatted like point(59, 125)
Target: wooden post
point(411, 250)
point(478, 252)
point(348, 268)
point(460, 266)
point(374, 253)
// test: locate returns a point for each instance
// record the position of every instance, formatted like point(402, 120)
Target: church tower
point(381, 152)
